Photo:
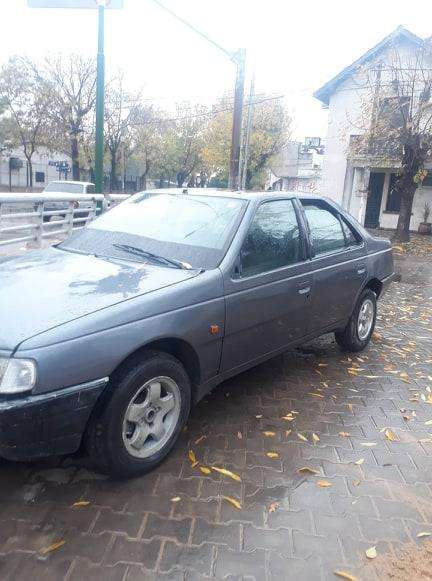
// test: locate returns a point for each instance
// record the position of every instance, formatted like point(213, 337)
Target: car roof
point(235, 193)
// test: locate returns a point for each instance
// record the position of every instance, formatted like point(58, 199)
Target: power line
point(213, 113)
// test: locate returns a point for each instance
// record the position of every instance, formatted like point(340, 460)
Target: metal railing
point(31, 219)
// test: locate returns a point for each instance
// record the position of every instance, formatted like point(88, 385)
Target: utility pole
point(234, 168)
point(239, 59)
point(248, 133)
point(100, 97)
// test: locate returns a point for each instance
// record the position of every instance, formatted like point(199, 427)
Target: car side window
point(351, 238)
point(325, 229)
point(273, 239)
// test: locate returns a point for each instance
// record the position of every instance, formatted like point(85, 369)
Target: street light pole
point(239, 59)
point(100, 97)
point(234, 168)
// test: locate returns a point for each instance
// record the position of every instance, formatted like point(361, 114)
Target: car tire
point(357, 333)
point(140, 417)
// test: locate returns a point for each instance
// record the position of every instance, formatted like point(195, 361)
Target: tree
point(122, 111)
point(269, 133)
point(185, 141)
point(395, 122)
point(27, 106)
point(152, 154)
point(70, 85)
point(271, 130)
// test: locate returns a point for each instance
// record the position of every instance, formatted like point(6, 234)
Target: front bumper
point(47, 424)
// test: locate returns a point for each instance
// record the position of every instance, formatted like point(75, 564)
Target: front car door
point(338, 261)
point(268, 291)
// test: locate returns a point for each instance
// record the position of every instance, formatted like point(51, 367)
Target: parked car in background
point(108, 338)
point(62, 187)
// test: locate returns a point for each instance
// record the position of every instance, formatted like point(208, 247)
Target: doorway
point(373, 206)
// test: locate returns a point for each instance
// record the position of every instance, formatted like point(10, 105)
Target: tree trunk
point(113, 173)
point(180, 179)
point(74, 156)
point(29, 173)
point(402, 233)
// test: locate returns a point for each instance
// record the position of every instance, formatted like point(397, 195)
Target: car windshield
point(193, 229)
point(65, 188)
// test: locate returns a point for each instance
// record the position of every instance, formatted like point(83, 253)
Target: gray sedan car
point(107, 339)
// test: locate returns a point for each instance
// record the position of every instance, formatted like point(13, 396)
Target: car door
point(268, 291)
point(338, 260)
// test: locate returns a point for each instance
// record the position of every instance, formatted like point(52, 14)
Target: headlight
point(17, 375)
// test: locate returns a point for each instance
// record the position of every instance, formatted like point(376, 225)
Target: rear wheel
point(146, 407)
point(357, 333)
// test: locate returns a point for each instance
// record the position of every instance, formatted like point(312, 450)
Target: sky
point(293, 47)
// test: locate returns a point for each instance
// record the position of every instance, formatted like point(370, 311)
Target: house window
point(40, 177)
point(394, 197)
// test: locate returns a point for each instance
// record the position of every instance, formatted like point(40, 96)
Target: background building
point(359, 174)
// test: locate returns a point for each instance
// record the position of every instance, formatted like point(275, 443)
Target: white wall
point(40, 161)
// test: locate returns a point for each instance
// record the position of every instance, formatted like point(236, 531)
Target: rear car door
point(338, 259)
point(268, 292)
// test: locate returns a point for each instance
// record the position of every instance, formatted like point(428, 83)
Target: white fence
point(31, 219)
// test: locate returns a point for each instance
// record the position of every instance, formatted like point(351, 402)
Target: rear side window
point(273, 239)
point(352, 239)
point(325, 229)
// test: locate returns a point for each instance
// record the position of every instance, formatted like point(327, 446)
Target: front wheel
point(147, 405)
point(357, 333)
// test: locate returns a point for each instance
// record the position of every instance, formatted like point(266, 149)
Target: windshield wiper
point(146, 254)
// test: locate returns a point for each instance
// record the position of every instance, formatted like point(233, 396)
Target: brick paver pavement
point(175, 524)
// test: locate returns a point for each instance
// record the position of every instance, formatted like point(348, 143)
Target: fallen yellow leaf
point(368, 444)
point(200, 439)
point(269, 434)
point(359, 462)
point(226, 472)
point(316, 394)
point(272, 454)
point(176, 499)
point(390, 435)
point(371, 553)
point(239, 435)
point(315, 438)
point(428, 423)
point(273, 507)
point(301, 437)
point(81, 503)
point(235, 503)
point(307, 470)
point(345, 575)
point(288, 418)
point(344, 434)
point(205, 470)
point(423, 534)
point(192, 458)
point(324, 483)
point(52, 547)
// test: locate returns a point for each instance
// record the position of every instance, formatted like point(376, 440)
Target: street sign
point(74, 3)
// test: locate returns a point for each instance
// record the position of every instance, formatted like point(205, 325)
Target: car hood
point(43, 289)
